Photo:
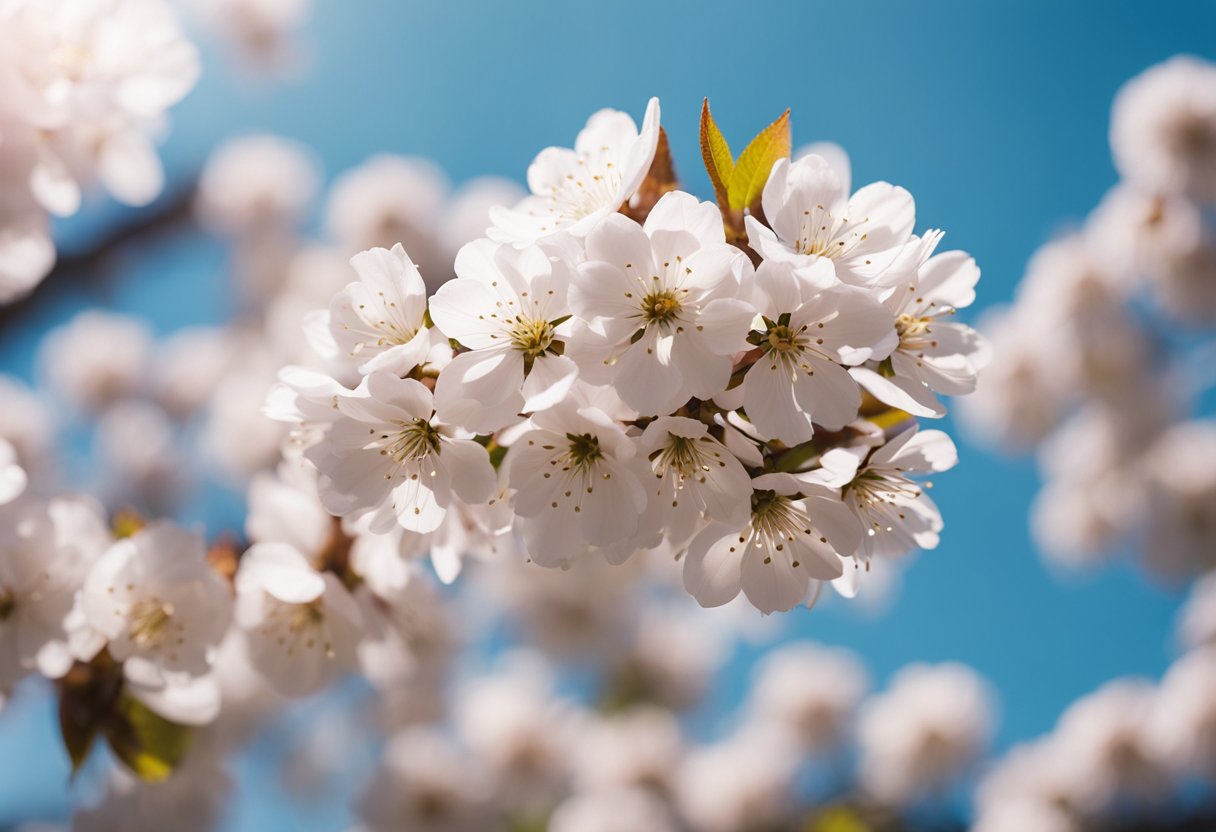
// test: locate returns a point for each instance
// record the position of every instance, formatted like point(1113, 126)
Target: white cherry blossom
point(794, 539)
point(508, 307)
point(807, 335)
point(661, 307)
point(389, 455)
point(162, 611)
point(377, 322)
point(575, 484)
point(934, 354)
point(813, 219)
point(302, 625)
point(573, 190)
point(895, 511)
point(695, 475)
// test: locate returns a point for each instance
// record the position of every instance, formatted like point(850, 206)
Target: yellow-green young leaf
point(719, 162)
point(756, 161)
point(838, 819)
point(149, 744)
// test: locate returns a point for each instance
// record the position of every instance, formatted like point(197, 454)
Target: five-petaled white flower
point(302, 626)
point(575, 484)
point(934, 354)
point(508, 307)
point(390, 456)
point(696, 479)
point(162, 610)
point(807, 334)
point(573, 190)
point(794, 539)
point(813, 218)
point(895, 511)
point(661, 307)
point(377, 322)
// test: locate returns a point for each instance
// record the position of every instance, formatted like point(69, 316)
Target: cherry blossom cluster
point(607, 377)
point(1106, 352)
point(84, 87)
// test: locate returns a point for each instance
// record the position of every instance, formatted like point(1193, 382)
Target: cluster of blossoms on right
point(619, 367)
point(1105, 356)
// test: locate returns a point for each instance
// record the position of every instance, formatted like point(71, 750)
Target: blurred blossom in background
point(185, 185)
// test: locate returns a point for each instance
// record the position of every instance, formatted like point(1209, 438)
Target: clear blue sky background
point(994, 115)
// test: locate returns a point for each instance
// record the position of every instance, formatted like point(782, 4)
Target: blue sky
point(993, 115)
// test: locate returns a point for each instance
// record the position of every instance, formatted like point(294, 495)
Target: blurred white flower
point(1183, 727)
point(84, 85)
point(162, 611)
point(921, 734)
point(389, 201)
point(809, 691)
point(467, 214)
point(96, 359)
point(426, 784)
point(625, 810)
point(520, 731)
point(262, 31)
point(47, 550)
point(302, 626)
point(13, 478)
point(1181, 505)
point(1197, 620)
point(255, 185)
point(1108, 735)
point(1163, 129)
point(640, 748)
point(743, 783)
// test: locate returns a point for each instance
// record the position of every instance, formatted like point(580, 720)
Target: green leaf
point(719, 162)
point(756, 162)
point(149, 744)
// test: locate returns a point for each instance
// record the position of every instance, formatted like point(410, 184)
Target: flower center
point(416, 440)
point(776, 521)
point(784, 339)
point(914, 333)
point(148, 622)
point(875, 493)
point(682, 456)
point(584, 451)
point(531, 337)
point(661, 307)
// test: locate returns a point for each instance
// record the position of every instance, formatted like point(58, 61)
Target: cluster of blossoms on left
point(84, 87)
